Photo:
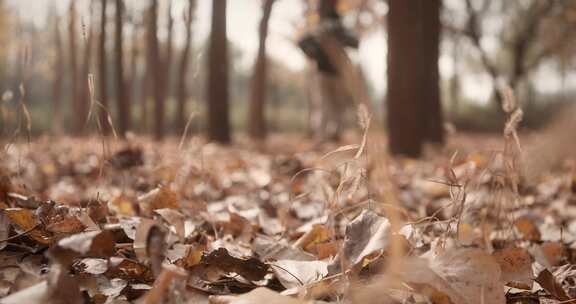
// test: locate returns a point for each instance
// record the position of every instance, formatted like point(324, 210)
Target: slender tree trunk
point(154, 70)
point(413, 106)
point(433, 116)
point(134, 56)
point(257, 115)
point(103, 70)
point(406, 134)
point(57, 123)
point(73, 66)
point(218, 95)
point(122, 98)
point(84, 98)
point(167, 64)
point(182, 88)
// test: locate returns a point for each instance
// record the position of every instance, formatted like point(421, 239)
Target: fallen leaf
point(366, 234)
point(91, 266)
point(251, 268)
point(516, 266)
point(299, 273)
point(549, 283)
point(160, 198)
point(308, 241)
point(35, 294)
point(127, 269)
point(27, 222)
point(256, 296)
point(90, 244)
point(527, 229)
point(466, 276)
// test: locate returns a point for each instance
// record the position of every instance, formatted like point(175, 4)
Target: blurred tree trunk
point(414, 110)
point(257, 115)
point(134, 56)
point(432, 115)
point(103, 70)
point(182, 88)
point(122, 98)
point(218, 112)
point(57, 123)
point(167, 62)
point(73, 66)
point(154, 70)
point(84, 98)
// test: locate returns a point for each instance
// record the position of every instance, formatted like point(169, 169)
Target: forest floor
point(92, 221)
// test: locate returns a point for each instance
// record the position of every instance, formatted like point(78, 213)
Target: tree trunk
point(73, 66)
point(433, 116)
point(218, 112)
point(182, 88)
point(122, 98)
point(154, 70)
point(84, 98)
point(57, 118)
point(167, 62)
point(134, 56)
point(257, 115)
point(103, 71)
point(413, 101)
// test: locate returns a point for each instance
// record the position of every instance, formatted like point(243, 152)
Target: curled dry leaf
point(90, 244)
point(91, 266)
point(318, 234)
point(26, 221)
point(298, 273)
point(251, 268)
point(159, 198)
point(547, 280)
point(366, 234)
point(162, 284)
point(127, 269)
point(466, 276)
point(174, 219)
point(256, 296)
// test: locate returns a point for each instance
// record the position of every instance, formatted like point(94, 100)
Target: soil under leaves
point(85, 221)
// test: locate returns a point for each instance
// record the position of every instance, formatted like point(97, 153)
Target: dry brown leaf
point(318, 234)
point(68, 224)
point(25, 220)
point(90, 244)
point(366, 234)
point(516, 266)
point(294, 274)
point(251, 268)
point(555, 252)
point(256, 296)
point(127, 269)
point(162, 284)
point(527, 229)
point(466, 276)
point(160, 198)
point(549, 283)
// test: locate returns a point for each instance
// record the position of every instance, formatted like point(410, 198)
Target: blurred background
point(297, 66)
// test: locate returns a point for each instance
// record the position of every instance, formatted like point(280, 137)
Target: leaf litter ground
point(142, 222)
